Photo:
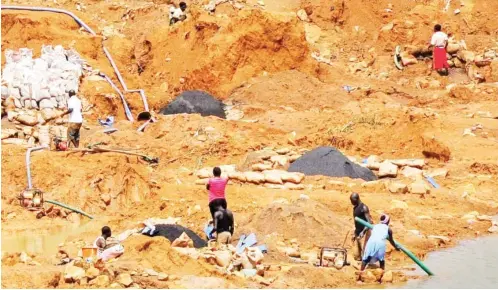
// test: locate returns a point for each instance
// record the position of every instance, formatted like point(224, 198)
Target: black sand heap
point(173, 232)
point(195, 102)
point(328, 161)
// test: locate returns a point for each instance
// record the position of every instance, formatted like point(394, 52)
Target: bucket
point(89, 252)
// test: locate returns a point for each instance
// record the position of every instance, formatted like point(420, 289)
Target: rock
point(24, 258)
point(73, 274)
point(303, 197)
point(494, 71)
point(412, 172)
point(397, 187)
point(418, 163)
point(468, 132)
point(387, 169)
point(398, 204)
point(419, 187)
point(292, 252)
point(151, 272)
point(424, 217)
point(373, 162)
point(106, 198)
point(115, 286)
point(302, 15)
point(470, 215)
point(92, 273)
point(493, 229)
point(101, 281)
point(387, 277)
point(162, 277)
point(223, 258)
point(466, 56)
point(311, 257)
point(368, 277)
point(440, 238)
point(438, 172)
point(125, 279)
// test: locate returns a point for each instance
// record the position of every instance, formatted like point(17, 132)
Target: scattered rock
point(466, 56)
point(419, 187)
point(387, 169)
point(311, 257)
point(151, 272)
point(101, 281)
point(303, 197)
point(440, 238)
point(302, 15)
point(162, 277)
point(115, 286)
point(438, 172)
point(398, 204)
point(373, 162)
point(106, 198)
point(397, 187)
point(387, 277)
point(125, 279)
point(223, 258)
point(92, 273)
point(368, 277)
point(412, 172)
point(73, 274)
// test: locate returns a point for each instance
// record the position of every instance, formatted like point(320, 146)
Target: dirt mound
point(195, 102)
point(328, 161)
point(309, 221)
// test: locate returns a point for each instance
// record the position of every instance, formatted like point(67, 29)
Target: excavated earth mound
point(330, 162)
point(195, 102)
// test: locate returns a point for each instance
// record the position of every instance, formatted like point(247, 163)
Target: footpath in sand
point(280, 68)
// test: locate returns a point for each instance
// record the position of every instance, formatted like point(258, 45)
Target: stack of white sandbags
point(41, 83)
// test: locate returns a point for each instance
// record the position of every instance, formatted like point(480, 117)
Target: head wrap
point(384, 219)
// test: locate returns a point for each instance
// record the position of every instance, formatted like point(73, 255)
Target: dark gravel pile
point(172, 232)
point(195, 102)
point(328, 161)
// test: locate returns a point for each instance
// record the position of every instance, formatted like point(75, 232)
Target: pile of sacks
point(271, 178)
point(41, 83)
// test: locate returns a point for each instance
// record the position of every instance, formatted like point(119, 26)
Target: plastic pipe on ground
point(28, 161)
point(125, 104)
point(87, 28)
point(69, 208)
point(406, 251)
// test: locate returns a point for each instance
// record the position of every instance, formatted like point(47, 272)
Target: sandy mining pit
point(282, 77)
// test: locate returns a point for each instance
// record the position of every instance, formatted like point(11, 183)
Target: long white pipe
point(28, 159)
point(106, 52)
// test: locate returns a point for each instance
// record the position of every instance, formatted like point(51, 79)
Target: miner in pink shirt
point(216, 187)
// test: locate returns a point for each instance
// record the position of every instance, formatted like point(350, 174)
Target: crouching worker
point(108, 246)
point(376, 245)
point(223, 226)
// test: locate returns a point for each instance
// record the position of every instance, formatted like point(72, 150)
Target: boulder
point(412, 172)
point(398, 204)
point(125, 279)
point(388, 169)
point(397, 187)
point(73, 274)
point(373, 162)
point(292, 252)
point(184, 241)
point(437, 172)
point(368, 277)
point(301, 14)
point(419, 187)
point(101, 281)
point(255, 255)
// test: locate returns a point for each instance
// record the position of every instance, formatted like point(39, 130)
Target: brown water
point(471, 264)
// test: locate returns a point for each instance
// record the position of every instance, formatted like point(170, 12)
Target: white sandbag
point(292, 186)
point(42, 94)
point(46, 104)
point(261, 167)
point(274, 186)
point(279, 161)
point(293, 177)
point(27, 120)
point(273, 176)
point(48, 113)
point(203, 181)
point(239, 176)
point(418, 163)
point(255, 177)
point(44, 136)
point(17, 103)
point(34, 104)
point(5, 92)
point(14, 141)
point(205, 173)
point(228, 168)
point(25, 91)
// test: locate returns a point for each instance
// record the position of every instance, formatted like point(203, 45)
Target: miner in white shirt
point(74, 109)
point(439, 42)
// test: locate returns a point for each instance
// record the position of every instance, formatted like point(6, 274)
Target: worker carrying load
point(223, 226)
point(439, 42)
point(177, 14)
point(108, 246)
point(376, 245)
